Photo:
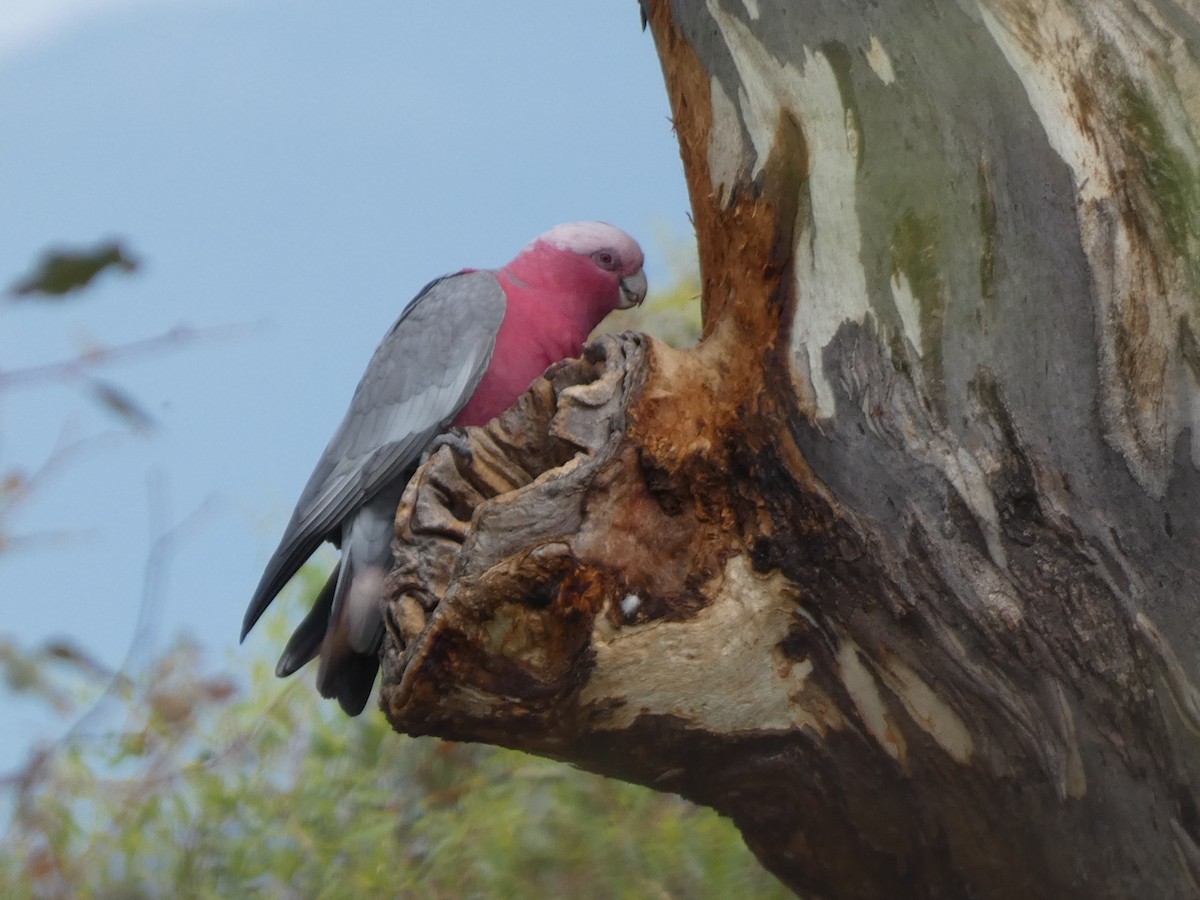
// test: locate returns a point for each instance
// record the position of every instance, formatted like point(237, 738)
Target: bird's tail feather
point(305, 641)
point(350, 645)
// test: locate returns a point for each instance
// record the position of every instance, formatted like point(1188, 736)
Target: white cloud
point(27, 23)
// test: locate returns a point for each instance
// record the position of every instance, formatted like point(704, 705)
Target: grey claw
point(456, 439)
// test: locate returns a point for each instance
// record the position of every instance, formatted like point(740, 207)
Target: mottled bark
point(899, 567)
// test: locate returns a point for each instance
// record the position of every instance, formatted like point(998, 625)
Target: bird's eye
point(606, 259)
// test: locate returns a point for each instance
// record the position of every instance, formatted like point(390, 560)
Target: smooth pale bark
point(899, 567)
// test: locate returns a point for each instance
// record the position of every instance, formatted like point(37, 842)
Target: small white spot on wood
point(727, 151)
point(1073, 776)
point(864, 692)
point(630, 604)
point(880, 62)
point(930, 712)
point(964, 472)
point(909, 309)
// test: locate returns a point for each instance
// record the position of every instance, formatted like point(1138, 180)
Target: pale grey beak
point(633, 290)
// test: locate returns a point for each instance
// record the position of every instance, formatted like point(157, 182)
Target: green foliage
point(211, 789)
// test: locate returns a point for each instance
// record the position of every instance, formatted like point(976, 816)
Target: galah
point(462, 352)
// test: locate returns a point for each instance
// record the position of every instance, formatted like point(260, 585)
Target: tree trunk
point(899, 567)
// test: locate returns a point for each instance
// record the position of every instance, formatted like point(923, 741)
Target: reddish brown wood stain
point(737, 384)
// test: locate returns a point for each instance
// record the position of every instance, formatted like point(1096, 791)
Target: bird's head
point(596, 263)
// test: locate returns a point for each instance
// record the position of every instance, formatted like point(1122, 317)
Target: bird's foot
point(456, 439)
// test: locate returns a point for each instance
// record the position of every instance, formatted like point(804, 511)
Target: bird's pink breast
point(532, 336)
point(554, 298)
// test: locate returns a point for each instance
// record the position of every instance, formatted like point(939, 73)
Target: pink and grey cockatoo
point(461, 353)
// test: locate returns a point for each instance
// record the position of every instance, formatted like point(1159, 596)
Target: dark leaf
point(122, 405)
point(63, 271)
point(77, 657)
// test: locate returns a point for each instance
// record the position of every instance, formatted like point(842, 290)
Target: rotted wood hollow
point(603, 581)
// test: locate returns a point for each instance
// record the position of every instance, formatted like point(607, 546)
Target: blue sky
point(298, 167)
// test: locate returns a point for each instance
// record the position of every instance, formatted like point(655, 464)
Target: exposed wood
point(900, 567)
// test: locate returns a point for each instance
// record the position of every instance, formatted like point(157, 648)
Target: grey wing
point(421, 375)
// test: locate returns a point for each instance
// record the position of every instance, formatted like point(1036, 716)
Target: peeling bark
point(899, 567)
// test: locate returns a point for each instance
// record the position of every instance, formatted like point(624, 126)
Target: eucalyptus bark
point(899, 566)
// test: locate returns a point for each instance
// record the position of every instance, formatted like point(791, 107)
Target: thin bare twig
point(84, 364)
point(163, 539)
